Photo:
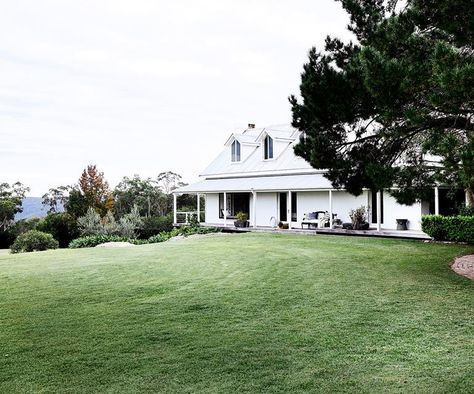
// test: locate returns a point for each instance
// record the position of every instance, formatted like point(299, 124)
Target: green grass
point(240, 313)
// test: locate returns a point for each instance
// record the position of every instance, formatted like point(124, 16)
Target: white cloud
point(145, 86)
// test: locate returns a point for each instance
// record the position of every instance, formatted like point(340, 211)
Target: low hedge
point(164, 236)
point(449, 228)
point(90, 241)
point(33, 241)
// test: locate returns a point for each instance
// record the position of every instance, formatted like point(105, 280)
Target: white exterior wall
point(343, 202)
point(267, 207)
point(310, 202)
point(212, 209)
point(393, 210)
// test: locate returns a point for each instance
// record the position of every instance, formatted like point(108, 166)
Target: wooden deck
point(406, 234)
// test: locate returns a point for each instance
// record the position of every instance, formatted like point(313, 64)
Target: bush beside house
point(449, 228)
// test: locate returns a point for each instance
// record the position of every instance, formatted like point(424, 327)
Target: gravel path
point(115, 245)
point(182, 238)
point(464, 266)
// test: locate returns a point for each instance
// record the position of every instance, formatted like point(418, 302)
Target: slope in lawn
point(255, 312)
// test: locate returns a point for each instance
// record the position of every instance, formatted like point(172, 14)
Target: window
point(236, 202)
point(235, 151)
point(268, 148)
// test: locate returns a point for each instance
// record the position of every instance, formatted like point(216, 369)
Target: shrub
point(193, 220)
point(184, 231)
point(61, 225)
point(130, 223)
point(449, 228)
point(433, 225)
point(34, 240)
point(109, 226)
point(89, 241)
point(154, 225)
point(90, 223)
point(466, 210)
point(162, 237)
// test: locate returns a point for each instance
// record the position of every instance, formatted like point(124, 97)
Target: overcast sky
point(140, 87)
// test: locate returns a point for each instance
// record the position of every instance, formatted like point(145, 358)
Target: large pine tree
point(393, 109)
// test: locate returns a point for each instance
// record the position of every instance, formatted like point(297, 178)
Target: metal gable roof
point(276, 134)
point(242, 138)
point(286, 161)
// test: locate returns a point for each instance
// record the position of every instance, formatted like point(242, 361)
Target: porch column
point(289, 209)
point(174, 209)
point(379, 212)
point(225, 209)
point(436, 190)
point(254, 208)
point(330, 208)
point(198, 208)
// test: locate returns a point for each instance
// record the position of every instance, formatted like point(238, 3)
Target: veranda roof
point(262, 183)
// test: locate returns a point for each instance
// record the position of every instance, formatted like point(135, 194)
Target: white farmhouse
point(258, 173)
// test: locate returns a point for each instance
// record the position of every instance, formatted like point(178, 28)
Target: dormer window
point(268, 148)
point(235, 151)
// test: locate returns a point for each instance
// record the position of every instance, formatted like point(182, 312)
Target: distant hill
point(32, 208)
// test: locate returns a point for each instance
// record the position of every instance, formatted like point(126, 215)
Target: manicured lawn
point(238, 313)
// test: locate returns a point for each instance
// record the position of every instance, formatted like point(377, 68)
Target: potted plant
point(241, 219)
point(359, 218)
